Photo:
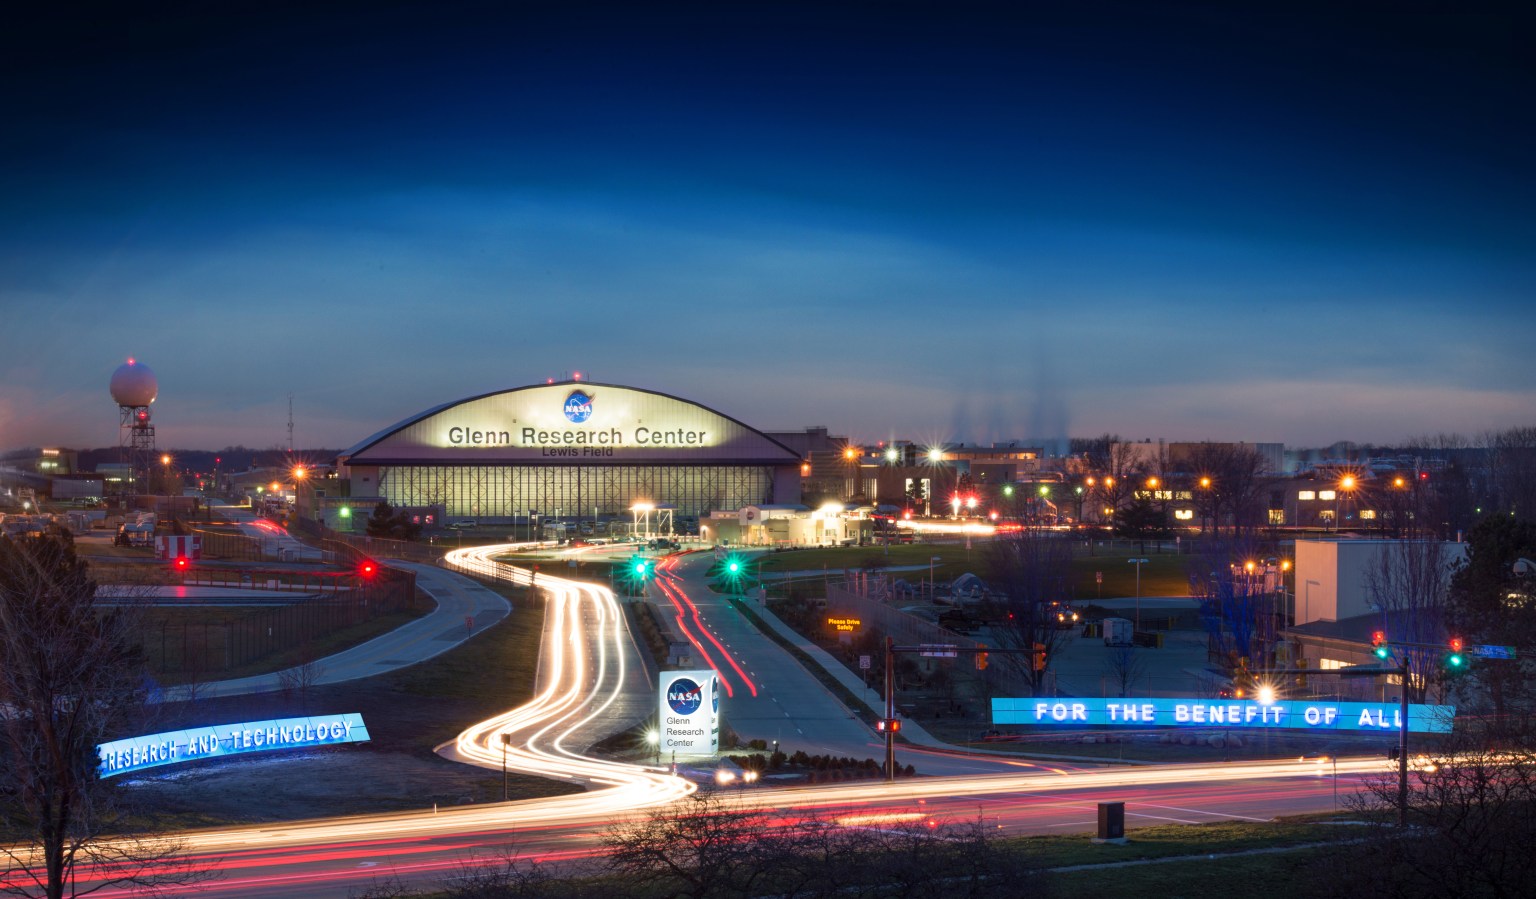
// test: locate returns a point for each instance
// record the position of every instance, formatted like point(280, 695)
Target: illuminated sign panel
point(1226, 713)
point(689, 712)
point(561, 424)
point(138, 753)
point(845, 625)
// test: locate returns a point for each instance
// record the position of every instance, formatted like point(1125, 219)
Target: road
point(584, 678)
point(327, 858)
point(772, 697)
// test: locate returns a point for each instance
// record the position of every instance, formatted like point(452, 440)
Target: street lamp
point(506, 740)
point(1138, 563)
point(654, 738)
point(1346, 483)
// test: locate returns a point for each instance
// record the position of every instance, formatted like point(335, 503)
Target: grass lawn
point(1202, 860)
point(1196, 878)
point(1177, 840)
point(173, 633)
point(1161, 575)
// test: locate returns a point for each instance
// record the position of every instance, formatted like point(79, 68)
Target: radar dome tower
point(133, 389)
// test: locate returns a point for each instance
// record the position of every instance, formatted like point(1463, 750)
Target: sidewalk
point(464, 608)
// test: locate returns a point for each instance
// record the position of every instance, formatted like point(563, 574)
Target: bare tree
point(1513, 467)
point(695, 850)
point(298, 681)
point(1409, 582)
point(1238, 613)
point(1030, 572)
point(1125, 666)
point(1229, 481)
point(70, 675)
point(1470, 831)
point(707, 847)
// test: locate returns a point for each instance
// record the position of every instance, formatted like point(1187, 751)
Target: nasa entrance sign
point(689, 712)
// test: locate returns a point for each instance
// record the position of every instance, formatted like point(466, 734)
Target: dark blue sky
point(935, 221)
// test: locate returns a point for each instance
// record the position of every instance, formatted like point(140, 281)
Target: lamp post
point(506, 740)
point(1138, 563)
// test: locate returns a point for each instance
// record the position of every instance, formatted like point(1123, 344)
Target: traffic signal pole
point(891, 649)
point(890, 708)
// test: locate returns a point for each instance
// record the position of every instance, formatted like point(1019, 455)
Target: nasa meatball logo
point(684, 696)
point(714, 695)
point(578, 406)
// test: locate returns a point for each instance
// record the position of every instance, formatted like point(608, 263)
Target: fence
point(370, 547)
point(238, 546)
point(344, 600)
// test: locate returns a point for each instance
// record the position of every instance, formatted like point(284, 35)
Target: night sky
point(935, 221)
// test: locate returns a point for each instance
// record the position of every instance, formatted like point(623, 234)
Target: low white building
point(834, 524)
point(1332, 576)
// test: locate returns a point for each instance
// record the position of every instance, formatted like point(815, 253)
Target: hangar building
point(574, 450)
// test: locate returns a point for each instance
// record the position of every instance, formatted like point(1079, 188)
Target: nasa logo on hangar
point(578, 406)
point(684, 696)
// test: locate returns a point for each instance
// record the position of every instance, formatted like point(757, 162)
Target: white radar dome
point(133, 384)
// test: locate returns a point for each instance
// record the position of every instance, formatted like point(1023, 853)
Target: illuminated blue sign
point(1165, 712)
point(578, 406)
point(138, 753)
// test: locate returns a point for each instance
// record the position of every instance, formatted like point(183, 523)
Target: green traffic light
point(1455, 660)
point(1382, 652)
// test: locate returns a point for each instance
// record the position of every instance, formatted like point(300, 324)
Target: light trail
point(673, 590)
point(581, 674)
point(942, 527)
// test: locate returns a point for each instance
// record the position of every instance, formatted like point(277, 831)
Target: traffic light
point(1037, 658)
point(981, 661)
point(1379, 644)
point(367, 568)
point(1455, 660)
point(732, 566)
point(181, 563)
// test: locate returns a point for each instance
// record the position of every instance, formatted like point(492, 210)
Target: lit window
point(1326, 494)
point(1184, 514)
point(1306, 495)
point(1368, 513)
point(1277, 516)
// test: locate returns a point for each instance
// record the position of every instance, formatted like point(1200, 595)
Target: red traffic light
point(1378, 638)
point(182, 563)
point(368, 568)
point(1456, 644)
